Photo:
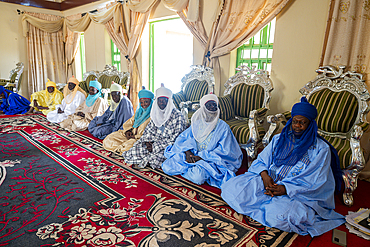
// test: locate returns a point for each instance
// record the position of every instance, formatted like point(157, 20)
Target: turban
point(305, 109)
point(144, 93)
point(50, 84)
point(74, 80)
point(116, 87)
point(207, 98)
point(163, 92)
point(95, 84)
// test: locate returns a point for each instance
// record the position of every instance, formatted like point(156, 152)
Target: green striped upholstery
point(106, 81)
point(226, 107)
point(343, 148)
point(195, 90)
point(337, 111)
point(246, 98)
point(178, 98)
point(240, 130)
point(364, 126)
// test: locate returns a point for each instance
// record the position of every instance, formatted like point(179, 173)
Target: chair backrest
point(249, 89)
point(341, 99)
point(198, 82)
point(16, 76)
point(105, 77)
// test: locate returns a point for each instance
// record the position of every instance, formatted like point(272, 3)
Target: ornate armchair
point(15, 78)
point(341, 99)
point(245, 104)
point(197, 83)
point(105, 77)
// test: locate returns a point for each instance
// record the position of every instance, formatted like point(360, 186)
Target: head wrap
point(141, 114)
point(290, 150)
point(90, 100)
point(115, 88)
point(50, 96)
point(305, 109)
point(73, 92)
point(159, 116)
point(204, 121)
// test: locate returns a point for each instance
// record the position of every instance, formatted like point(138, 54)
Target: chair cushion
point(178, 98)
point(343, 148)
point(226, 107)
point(240, 130)
point(246, 98)
point(195, 90)
point(337, 111)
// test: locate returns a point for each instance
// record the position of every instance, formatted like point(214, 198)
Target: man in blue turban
point(12, 103)
point(93, 106)
point(291, 184)
point(132, 130)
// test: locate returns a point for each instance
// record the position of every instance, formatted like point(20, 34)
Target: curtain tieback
point(127, 58)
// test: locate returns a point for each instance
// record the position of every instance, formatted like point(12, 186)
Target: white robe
point(68, 109)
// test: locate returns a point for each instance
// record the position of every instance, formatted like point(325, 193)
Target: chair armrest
point(364, 126)
point(275, 121)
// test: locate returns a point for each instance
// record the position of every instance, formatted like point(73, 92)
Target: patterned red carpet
point(62, 188)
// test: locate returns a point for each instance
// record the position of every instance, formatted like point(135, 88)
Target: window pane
point(172, 53)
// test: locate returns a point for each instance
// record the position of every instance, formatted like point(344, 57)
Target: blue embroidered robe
point(14, 104)
point(308, 206)
point(220, 153)
point(111, 121)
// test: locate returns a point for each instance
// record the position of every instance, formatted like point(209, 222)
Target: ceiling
point(60, 5)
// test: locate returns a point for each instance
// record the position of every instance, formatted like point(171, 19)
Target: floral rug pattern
point(62, 188)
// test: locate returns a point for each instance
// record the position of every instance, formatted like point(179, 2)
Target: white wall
point(297, 49)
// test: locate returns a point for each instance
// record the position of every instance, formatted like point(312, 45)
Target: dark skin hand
point(272, 189)
point(60, 111)
point(129, 134)
point(191, 158)
point(92, 91)
point(149, 146)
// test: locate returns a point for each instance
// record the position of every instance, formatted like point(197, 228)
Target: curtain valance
point(78, 25)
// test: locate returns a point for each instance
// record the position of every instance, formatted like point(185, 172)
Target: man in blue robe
point(290, 186)
point(115, 116)
point(207, 151)
point(13, 103)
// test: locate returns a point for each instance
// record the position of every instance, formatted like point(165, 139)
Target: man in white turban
point(165, 125)
point(207, 151)
point(117, 114)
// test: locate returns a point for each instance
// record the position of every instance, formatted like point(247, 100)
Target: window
point(170, 53)
point(116, 56)
point(80, 59)
point(258, 49)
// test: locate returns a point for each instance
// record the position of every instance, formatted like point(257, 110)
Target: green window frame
point(82, 55)
point(151, 50)
point(258, 49)
point(116, 56)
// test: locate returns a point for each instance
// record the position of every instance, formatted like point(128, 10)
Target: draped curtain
point(46, 58)
point(71, 47)
point(347, 34)
point(237, 22)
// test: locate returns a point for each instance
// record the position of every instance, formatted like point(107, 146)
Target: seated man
point(93, 106)
point(165, 125)
point(123, 139)
point(45, 101)
point(290, 186)
point(73, 97)
point(118, 113)
point(12, 103)
point(207, 151)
